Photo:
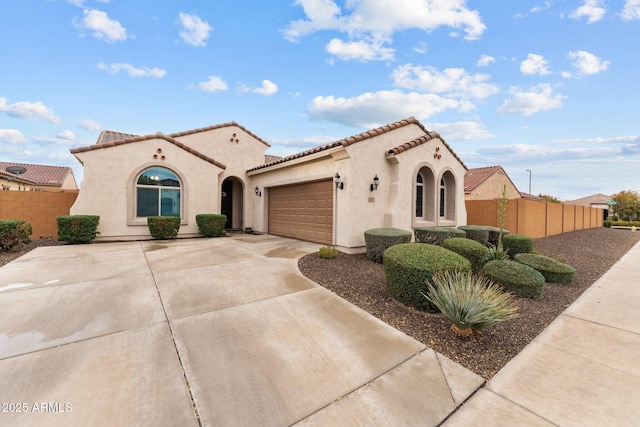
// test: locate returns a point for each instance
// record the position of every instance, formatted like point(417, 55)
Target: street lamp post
point(529, 170)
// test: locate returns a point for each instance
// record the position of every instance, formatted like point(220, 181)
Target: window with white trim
point(158, 193)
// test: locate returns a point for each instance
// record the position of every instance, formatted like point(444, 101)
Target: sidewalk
point(582, 370)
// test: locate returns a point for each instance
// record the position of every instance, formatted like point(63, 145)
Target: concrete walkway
point(209, 332)
point(583, 370)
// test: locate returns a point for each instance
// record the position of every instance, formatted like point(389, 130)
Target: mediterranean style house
point(487, 183)
point(399, 175)
point(30, 177)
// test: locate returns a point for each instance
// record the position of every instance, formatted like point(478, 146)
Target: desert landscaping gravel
point(362, 282)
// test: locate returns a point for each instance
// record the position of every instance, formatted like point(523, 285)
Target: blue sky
point(548, 86)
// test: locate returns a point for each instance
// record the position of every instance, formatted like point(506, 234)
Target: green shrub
point(408, 267)
point(77, 228)
point(625, 223)
point(474, 251)
point(328, 252)
point(607, 223)
point(163, 227)
point(436, 235)
point(553, 270)
point(479, 233)
point(517, 244)
point(14, 232)
point(494, 234)
point(515, 277)
point(211, 225)
point(378, 240)
point(470, 302)
point(496, 253)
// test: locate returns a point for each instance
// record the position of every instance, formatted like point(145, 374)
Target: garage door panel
point(302, 211)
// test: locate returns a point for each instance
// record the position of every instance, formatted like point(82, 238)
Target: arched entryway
point(231, 203)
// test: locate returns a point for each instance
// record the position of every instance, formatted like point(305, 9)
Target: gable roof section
point(595, 199)
point(345, 142)
point(110, 135)
point(222, 125)
point(477, 176)
point(38, 174)
point(108, 144)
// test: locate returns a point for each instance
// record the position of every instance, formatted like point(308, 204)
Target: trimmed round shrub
point(211, 225)
point(494, 233)
point(479, 233)
point(517, 244)
point(436, 235)
point(77, 228)
point(515, 277)
point(378, 240)
point(163, 227)
point(553, 270)
point(408, 267)
point(14, 232)
point(474, 251)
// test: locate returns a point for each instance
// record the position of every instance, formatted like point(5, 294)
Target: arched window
point(443, 198)
point(158, 193)
point(419, 196)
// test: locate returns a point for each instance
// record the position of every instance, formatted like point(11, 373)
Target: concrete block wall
point(40, 208)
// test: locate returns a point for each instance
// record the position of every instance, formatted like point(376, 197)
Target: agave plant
point(497, 253)
point(470, 302)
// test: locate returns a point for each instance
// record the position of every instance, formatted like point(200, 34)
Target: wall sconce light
point(374, 184)
point(339, 183)
point(258, 192)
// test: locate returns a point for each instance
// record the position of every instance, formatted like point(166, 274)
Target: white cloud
point(132, 71)
point(12, 136)
point(485, 61)
point(214, 84)
point(538, 98)
point(103, 27)
point(631, 10)
point(360, 50)
point(378, 20)
point(454, 81)
point(461, 131)
point(29, 111)
point(268, 88)
point(66, 134)
point(593, 10)
point(77, 3)
point(370, 110)
point(90, 124)
point(534, 64)
point(588, 63)
point(194, 30)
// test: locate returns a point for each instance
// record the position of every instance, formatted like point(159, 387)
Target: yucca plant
point(497, 253)
point(470, 302)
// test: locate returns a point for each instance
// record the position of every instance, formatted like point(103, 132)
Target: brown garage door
point(302, 211)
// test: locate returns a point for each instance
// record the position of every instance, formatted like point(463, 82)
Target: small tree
point(627, 204)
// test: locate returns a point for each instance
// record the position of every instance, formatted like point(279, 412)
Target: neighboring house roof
point(38, 174)
point(367, 135)
point(531, 197)
point(102, 145)
point(475, 177)
point(110, 135)
point(268, 158)
point(595, 199)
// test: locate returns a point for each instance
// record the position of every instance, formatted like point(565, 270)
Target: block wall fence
point(534, 218)
point(40, 208)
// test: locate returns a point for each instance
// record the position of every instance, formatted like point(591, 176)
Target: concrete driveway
point(209, 332)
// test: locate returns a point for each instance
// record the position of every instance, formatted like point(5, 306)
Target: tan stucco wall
point(108, 187)
point(492, 189)
point(356, 207)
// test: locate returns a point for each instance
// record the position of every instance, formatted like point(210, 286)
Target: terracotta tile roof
point(268, 158)
point(101, 145)
point(367, 135)
point(476, 176)
point(222, 125)
point(531, 197)
point(38, 174)
point(110, 135)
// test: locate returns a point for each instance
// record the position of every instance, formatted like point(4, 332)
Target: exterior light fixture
point(374, 184)
point(339, 183)
point(258, 192)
